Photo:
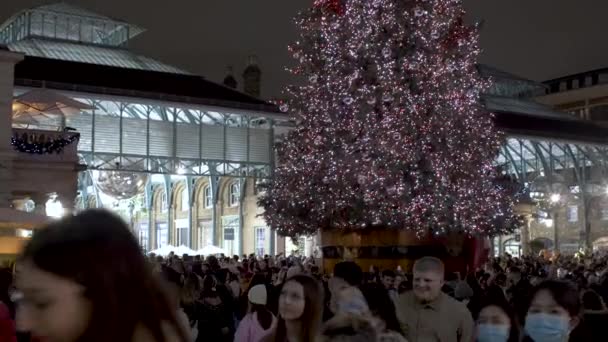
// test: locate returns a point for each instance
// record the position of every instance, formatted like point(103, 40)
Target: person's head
point(514, 275)
point(214, 263)
point(349, 301)
point(593, 302)
point(301, 299)
point(428, 278)
point(222, 275)
point(496, 322)
point(388, 279)
point(258, 279)
point(554, 311)
point(258, 298)
point(346, 273)
point(84, 278)
point(500, 280)
point(191, 289)
point(463, 292)
point(350, 328)
point(293, 270)
point(210, 287)
point(398, 280)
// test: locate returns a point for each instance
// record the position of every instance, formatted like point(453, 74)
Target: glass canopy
point(67, 22)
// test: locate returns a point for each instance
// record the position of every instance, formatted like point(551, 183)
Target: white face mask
point(492, 333)
point(543, 327)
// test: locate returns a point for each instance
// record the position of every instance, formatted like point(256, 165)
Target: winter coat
point(250, 330)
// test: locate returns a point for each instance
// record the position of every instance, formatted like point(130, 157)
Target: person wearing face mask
point(496, 322)
point(554, 312)
point(428, 314)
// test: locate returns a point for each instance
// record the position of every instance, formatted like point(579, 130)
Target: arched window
point(207, 197)
point(235, 194)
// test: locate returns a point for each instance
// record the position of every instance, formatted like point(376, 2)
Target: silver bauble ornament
point(120, 184)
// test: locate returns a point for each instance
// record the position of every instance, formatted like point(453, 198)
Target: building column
point(190, 202)
point(7, 84)
point(243, 191)
point(152, 227)
point(214, 183)
point(170, 217)
point(525, 235)
point(273, 242)
point(525, 209)
point(194, 218)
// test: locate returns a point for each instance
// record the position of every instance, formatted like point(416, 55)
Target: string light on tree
point(390, 130)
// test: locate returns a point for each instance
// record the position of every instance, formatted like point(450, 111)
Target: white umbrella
point(210, 250)
point(181, 250)
point(163, 251)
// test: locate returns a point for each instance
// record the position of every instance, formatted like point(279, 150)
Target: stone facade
point(208, 217)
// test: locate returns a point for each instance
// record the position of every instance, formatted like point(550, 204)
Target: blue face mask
point(547, 328)
point(492, 333)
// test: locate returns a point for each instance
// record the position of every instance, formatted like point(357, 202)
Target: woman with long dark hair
point(300, 310)
point(213, 313)
point(84, 278)
point(382, 306)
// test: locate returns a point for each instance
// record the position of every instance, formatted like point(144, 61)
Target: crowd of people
point(84, 278)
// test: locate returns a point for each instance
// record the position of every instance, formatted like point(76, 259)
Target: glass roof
point(523, 107)
point(67, 22)
point(90, 54)
point(68, 9)
point(526, 155)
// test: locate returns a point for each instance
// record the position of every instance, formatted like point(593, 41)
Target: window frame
point(207, 197)
point(234, 194)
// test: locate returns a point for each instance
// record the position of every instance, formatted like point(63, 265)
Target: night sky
point(537, 39)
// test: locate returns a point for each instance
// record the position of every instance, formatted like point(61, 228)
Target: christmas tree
point(390, 131)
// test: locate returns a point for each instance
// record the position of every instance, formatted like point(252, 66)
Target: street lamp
point(555, 198)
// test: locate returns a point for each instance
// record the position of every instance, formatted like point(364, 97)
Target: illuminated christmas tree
point(390, 130)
